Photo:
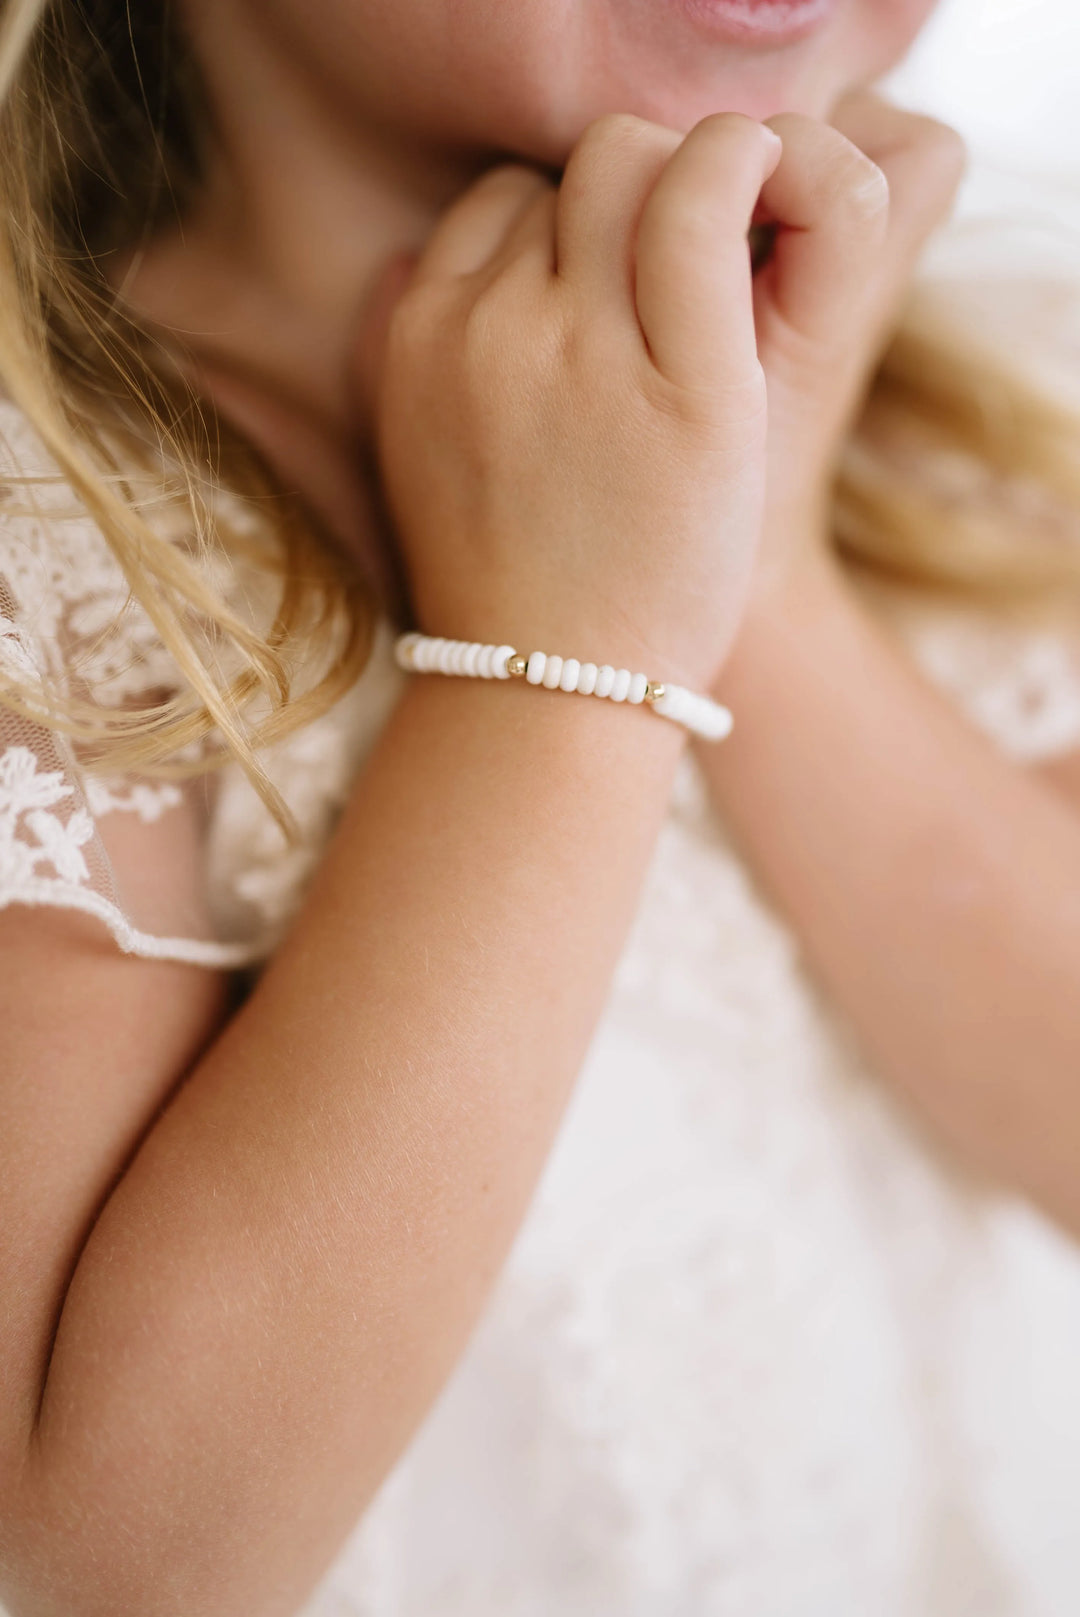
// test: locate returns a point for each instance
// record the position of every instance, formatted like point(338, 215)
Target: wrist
point(806, 624)
point(534, 719)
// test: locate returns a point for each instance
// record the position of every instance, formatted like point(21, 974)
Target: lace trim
point(33, 834)
point(41, 891)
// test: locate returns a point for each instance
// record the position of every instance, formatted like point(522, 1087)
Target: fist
point(570, 409)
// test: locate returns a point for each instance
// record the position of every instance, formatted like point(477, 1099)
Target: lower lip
point(760, 22)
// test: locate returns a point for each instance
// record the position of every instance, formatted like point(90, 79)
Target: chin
point(676, 61)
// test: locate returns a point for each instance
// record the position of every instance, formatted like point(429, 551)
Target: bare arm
point(935, 886)
point(281, 1280)
point(255, 1311)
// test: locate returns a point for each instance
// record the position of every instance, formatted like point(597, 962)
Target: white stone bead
point(534, 670)
point(431, 657)
point(471, 661)
point(638, 686)
point(605, 679)
point(552, 673)
point(568, 679)
point(621, 684)
point(483, 662)
point(586, 680)
point(698, 713)
point(499, 660)
point(404, 649)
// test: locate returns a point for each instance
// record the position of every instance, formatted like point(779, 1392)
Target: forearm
point(935, 886)
point(288, 1270)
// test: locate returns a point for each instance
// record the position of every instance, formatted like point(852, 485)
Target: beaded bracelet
point(429, 654)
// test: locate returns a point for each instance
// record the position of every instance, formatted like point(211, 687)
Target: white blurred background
point(1007, 74)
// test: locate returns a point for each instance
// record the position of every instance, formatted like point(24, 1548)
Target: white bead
point(586, 680)
point(534, 670)
point(568, 679)
point(431, 655)
point(552, 673)
point(638, 686)
point(605, 679)
point(404, 649)
point(499, 660)
point(471, 662)
point(698, 713)
point(483, 662)
point(621, 685)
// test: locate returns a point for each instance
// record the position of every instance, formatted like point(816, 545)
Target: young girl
point(774, 1338)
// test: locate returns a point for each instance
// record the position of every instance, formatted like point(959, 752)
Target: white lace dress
point(757, 1351)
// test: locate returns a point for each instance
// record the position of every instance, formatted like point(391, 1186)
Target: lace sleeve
point(126, 851)
point(1018, 682)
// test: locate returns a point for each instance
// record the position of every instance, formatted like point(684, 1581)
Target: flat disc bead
point(568, 679)
point(605, 679)
point(404, 648)
point(621, 684)
point(586, 680)
point(472, 659)
point(639, 684)
point(483, 662)
point(552, 673)
point(499, 658)
point(534, 671)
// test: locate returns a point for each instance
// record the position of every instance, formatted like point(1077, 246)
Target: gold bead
point(653, 690)
point(516, 665)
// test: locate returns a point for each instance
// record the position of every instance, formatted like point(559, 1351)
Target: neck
point(270, 281)
point(305, 203)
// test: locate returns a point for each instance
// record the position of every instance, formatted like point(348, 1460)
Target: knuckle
point(728, 126)
point(731, 412)
point(865, 190)
point(507, 177)
point(611, 144)
point(612, 129)
point(733, 136)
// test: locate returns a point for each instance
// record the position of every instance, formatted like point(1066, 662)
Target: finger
point(372, 327)
point(610, 175)
point(923, 161)
point(693, 281)
point(474, 228)
point(530, 240)
point(830, 205)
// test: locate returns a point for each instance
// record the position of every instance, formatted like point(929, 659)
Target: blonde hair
point(103, 136)
point(94, 153)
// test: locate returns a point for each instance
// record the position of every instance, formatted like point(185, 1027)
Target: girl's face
point(525, 76)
